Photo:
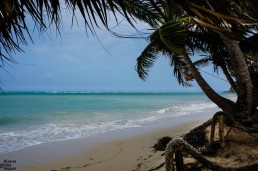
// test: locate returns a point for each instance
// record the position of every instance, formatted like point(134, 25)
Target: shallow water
point(39, 117)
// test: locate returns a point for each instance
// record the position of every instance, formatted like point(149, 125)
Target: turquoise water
point(33, 118)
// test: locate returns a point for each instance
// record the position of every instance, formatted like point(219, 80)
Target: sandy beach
point(116, 153)
point(111, 133)
point(127, 150)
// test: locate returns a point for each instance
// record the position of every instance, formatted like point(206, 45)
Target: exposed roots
point(197, 136)
point(175, 148)
point(219, 116)
point(216, 116)
point(179, 144)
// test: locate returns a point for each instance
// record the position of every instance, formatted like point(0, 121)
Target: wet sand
point(117, 153)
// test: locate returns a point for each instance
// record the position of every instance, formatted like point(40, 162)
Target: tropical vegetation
point(226, 32)
point(224, 35)
point(223, 31)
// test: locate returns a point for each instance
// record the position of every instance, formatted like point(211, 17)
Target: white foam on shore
point(38, 134)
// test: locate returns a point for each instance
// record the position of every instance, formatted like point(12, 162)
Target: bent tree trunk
point(244, 82)
point(225, 104)
point(168, 31)
point(229, 78)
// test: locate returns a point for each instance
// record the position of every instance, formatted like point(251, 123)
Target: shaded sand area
point(241, 148)
point(240, 152)
point(133, 153)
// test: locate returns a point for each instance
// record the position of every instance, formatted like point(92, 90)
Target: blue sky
point(79, 62)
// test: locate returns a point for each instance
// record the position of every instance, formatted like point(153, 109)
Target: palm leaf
point(44, 13)
point(149, 55)
point(173, 35)
point(176, 60)
point(179, 69)
point(202, 62)
point(220, 15)
point(146, 60)
point(234, 17)
point(146, 11)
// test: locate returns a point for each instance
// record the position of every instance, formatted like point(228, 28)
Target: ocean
point(31, 118)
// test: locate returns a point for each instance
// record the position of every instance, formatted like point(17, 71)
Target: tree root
point(197, 136)
point(245, 129)
point(216, 116)
point(176, 146)
point(179, 144)
point(219, 116)
point(241, 127)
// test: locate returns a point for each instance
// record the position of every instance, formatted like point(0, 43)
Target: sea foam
point(31, 119)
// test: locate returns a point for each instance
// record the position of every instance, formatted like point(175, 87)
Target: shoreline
point(126, 147)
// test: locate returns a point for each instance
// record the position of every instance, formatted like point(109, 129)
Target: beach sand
point(123, 151)
point(129, 154)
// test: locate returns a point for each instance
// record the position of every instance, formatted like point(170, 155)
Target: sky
point(79, 61)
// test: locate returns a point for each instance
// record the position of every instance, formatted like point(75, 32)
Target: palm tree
point(204, 20)
point(179, 57)
point(232, 20)
point(223, 29)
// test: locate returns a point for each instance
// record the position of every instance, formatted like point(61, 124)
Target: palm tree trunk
point(245, 86)
point(225, 104)
point(229, 78)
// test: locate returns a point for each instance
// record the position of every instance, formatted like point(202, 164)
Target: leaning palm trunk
point(245, 86)
point(173, 36)
point(225, 104)
point(229, 78)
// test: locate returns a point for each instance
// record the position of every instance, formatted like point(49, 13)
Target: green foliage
point(146, 60)
point(149, 55)
point(198, 31)
point(44, 13)
point(173, 35)
point(185, 27)
point(145, 11)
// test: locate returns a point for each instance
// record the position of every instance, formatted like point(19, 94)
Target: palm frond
point(176, 60)
point(173, 34)
point(149, 55)
point(220, 15)
point(146, 11)
point(179, 69)
point(234, 17)
point(205, 41)
point(146, 60)
point(14, 27)
point(202, 62)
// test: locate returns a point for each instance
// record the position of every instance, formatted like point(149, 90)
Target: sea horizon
point(31, 118)
point(108, 92)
